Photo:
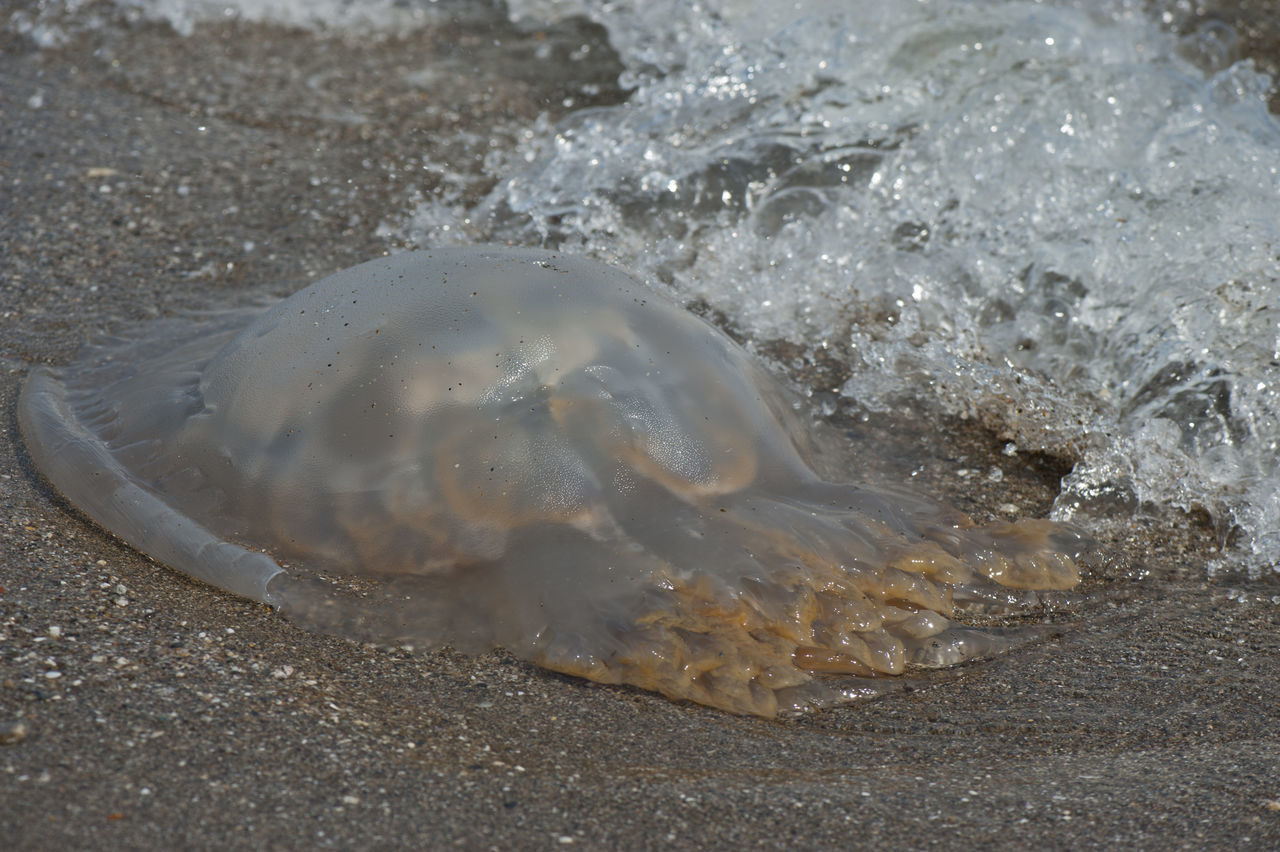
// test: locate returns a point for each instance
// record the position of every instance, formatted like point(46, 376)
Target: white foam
point(360, 16)
point(50, 23)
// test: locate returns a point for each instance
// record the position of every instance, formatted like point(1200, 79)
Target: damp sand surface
point(139, 709)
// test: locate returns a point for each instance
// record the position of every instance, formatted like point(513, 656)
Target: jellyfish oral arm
point(90, 477)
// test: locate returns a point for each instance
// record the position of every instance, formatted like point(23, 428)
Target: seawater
point(1056, 217)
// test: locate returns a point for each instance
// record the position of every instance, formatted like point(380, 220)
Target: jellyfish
point(503, 447)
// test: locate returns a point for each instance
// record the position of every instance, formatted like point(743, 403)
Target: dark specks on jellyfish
point(572, 467)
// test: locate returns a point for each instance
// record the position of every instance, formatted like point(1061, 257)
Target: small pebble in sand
point(12, 733)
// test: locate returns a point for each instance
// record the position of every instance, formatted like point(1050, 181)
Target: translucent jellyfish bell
point(509, 447)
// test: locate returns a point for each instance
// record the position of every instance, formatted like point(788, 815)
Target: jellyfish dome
point(495, 447)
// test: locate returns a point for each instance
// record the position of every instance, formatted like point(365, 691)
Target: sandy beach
point(142, 174)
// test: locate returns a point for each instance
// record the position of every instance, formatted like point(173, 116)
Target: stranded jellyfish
point(490, 447)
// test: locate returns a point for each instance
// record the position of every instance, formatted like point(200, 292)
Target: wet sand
point(142, 174)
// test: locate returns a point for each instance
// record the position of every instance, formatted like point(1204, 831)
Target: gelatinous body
point(508, 447)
